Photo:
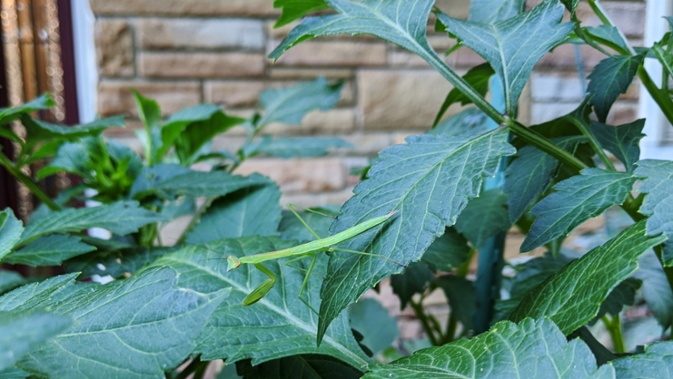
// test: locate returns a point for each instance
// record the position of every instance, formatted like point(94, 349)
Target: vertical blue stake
point(491, 260)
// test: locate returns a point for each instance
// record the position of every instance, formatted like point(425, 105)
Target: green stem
point(422, 317)
point(593, 142)
point(451, 327)
point(614, 327)
point(28, 182)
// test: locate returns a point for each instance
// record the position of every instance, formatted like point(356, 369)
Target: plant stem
point(28, 182)
point(593, 142)
point(451, 326)
point(420, 314)
point(614, 326)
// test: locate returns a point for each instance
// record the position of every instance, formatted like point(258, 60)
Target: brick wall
point(183, 52)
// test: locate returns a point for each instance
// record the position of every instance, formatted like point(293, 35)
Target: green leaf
point(10, 280)
point(573, 296)
point(610, 77)
point(415, 279)
point(477, 77)
point(247, 212)
point(460, 294)
point(37, 295)
point(150, 114)
point(296, 9)
point(122, 217)
point(319, 219)
point(10, 232)
point(576, 200)
point(664, 56)
point(289, 105)
point(41, 130)
point(372, 320)
point(280, 324)
point(447, 252)
point(492, 11)
point(656, 362)
point(291, 147)
point(169, 181)
point(655, 289)
point(513, 46)
point(133, 328)
point(533, 348)
point(22, 333)
point(607, 35)
point(416, 177)
point(484, 217)
point(658, 203)
point(301, 366)
point(8, 115)
point(470, 122)
point(72, 158)
point(571, 5)
point(622, 295)
point(531, 173)
point(49, 251)
point(622, 141)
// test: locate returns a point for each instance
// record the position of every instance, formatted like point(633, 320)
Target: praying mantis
point(309, 249)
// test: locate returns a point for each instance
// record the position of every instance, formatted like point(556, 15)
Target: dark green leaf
point(291, 147)
point(571, 5)
point(622, 295)
point(478, 77)
point(10, 232)
point(280, 324)
point(22, 333)
point(531, 349)
point(610, 77)
point(38, 129)
point(447, 252)
point(492, 11)
point(133, 328)
point(622, 141)
point(247, 212)
point(415, 279)
point(8, 115)
point(470, 122)
point(37, 295)
point(150, 114)
point(289, 105)
point(296, 9)
point(655, 288)
point(513, 46)
point(573, 296)
point(460, 294)
point(658, 203)
point(319, 219)
point(530, 174)
point(372, 320)
point(655, 363)
point(122, 217)
point(49, 251)
point(10, 280)
point(429, 181)
point(484, 217)
point(576, 200)
point(299, 367)
point(607, 35)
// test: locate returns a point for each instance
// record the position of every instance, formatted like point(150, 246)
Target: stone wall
point(183, 52)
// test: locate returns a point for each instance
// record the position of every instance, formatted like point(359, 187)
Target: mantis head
point(232, 263)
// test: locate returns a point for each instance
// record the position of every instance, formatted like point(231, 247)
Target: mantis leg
point(368, 254)
point(258, 293)
point(305, 282)
point(303, 222)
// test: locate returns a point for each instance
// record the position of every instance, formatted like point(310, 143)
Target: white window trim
point(653, 146)
point(86, 74)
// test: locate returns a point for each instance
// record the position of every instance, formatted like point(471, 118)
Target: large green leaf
point(49, 251)
point(622, 141)
point(531, 173)
point(531, 349)
point(484, 217)
point(373, 322)
point(291, 147)
point(429, 181)
point(299, 367)
point(122, 217)
point(10, 232)
point(21, 333)
point(447, 252)
point(515, 45)
point(296, 9)
point(607, 35)
point(658, 204)
point(37, 295)
point(655, 288)
point(492, 11)
point(576, 200)
point(610, 77)
point(655, 363)
point(133, 328)
point(7, 115)
point(289, 105)
point(280, 324)
point(573, 296)
point(246, 212)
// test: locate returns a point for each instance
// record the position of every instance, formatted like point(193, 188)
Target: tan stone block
point(623, 112)
point(195, 33)
point(115, 97)
point(200, 65)
point(184, 7)
point(299, 175)
point(369, 144)
point(563, 57)
point(308, 73)
point(333, 53)
point(114, 48)
point(335, 121)
point(394, 100)
point(454, 8)
point(629, 16)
